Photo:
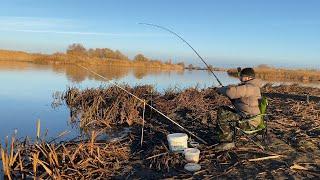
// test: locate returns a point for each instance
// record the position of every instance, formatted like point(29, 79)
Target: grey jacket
point(245, 96)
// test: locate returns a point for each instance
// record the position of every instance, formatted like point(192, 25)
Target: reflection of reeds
point(77, 74)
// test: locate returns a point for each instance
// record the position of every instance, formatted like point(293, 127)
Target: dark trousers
point(227, 119)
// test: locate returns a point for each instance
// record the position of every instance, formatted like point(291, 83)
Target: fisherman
point(245, 99)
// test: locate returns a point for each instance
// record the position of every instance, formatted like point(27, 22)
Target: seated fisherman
point(245, 99)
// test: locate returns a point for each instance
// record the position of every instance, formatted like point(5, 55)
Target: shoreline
point(294, 129)
point(285, 75)
point(263, 72)
point(62, 58)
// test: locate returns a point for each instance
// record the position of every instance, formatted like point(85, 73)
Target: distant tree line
point(209, 67)
point(101, 53)
point(77, 49)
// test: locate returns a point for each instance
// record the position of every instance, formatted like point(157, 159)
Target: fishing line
point(144, 102)
point(177, 35)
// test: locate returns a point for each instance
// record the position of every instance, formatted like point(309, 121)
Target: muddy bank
point(293, 123)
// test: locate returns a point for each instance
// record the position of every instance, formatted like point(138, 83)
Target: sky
point(225, 32)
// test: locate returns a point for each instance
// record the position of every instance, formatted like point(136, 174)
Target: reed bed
point(65, 58)
point(85, 159)
point(293, 151)
point(284, 75)
point(104, 107)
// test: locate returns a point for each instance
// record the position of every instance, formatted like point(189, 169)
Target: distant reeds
point(95, 57)
point(285, 75)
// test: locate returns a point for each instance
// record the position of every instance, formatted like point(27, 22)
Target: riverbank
point(115, 58)
point(293, 131)
point(83, 58)
point(285, 75)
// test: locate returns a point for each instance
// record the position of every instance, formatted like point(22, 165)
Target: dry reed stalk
point(265, 158)
point(5, 163)
point(100, 109)
point(38, 128)
point(142, 129)
point(35, 163)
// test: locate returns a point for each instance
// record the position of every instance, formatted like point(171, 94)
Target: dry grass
point(105, 107)
point(61, 58)
point(16, 55)
point(85, 159)
point(285, 75)
point(293, 126)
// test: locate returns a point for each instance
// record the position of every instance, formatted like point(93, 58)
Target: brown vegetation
point(277, 74)
point(293, 152)
point(76, 53)
point(209, 68)
point(16, 55)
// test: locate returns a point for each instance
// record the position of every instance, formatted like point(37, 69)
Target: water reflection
point(77, 74)
point(26, 91)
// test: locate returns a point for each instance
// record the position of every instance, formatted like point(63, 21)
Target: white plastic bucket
point(177, 141)
point(192, 155)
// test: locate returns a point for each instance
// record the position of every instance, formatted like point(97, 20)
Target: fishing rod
point(143, 101)
point(174, 33)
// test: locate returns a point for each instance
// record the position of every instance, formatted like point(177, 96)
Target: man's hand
point(222, 90)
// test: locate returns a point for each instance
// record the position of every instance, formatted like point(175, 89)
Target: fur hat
point(247, 72)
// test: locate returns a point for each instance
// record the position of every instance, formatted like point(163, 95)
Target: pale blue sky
point(225, 32)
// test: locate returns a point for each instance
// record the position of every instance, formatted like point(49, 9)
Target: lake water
point(27, 89)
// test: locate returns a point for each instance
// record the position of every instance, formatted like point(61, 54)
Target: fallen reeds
point(293, 128)
point(86, 159)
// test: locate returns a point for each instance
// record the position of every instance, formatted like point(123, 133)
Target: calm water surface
point(27, 89)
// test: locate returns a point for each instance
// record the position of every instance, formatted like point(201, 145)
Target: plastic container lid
point(178, 135)
point(194, 144)
point(191, 151)
point(192, 167)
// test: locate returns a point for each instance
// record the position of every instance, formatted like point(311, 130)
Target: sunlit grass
point(280, 74)
point(62, 58)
